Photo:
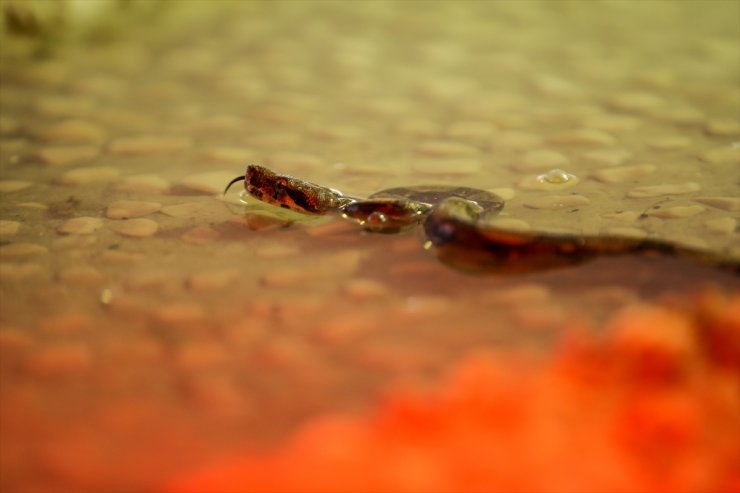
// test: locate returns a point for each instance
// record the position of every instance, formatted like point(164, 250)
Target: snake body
point(456, 220)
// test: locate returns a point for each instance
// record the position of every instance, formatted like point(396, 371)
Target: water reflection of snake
point(456, 220)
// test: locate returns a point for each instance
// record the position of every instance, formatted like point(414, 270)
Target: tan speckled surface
point(148, 325)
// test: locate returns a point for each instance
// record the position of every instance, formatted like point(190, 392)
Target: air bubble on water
point(556, 176)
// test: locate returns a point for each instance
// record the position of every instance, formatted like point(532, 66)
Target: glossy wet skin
point(456, 221)
point(386, 215)
point(489, 204)
point(387, 211)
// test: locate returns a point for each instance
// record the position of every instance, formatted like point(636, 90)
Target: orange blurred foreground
point(652, 406)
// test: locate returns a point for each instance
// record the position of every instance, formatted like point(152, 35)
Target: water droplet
point(106, 296)
point(556, 176)
point(376, 218)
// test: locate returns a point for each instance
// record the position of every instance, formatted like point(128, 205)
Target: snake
point(456, 220)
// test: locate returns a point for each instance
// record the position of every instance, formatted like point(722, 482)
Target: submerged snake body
point(395, 209)
point(465, 242)
point(456, 221)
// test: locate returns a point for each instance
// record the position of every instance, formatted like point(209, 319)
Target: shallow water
point(156, 342)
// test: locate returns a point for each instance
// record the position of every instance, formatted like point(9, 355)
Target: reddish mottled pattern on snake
point(289, 192)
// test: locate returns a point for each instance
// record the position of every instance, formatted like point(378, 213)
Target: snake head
point(288, 192)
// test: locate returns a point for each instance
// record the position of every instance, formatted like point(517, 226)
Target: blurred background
point(156, 336)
